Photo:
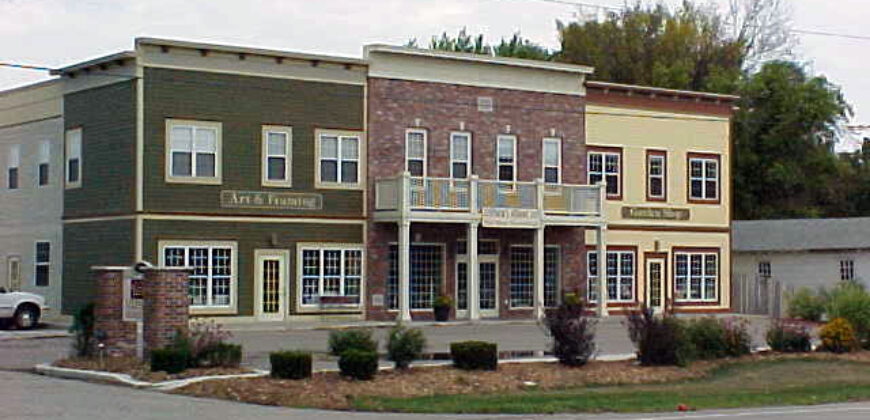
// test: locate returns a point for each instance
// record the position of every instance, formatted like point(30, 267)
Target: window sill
point(338, 186)
point(193, 180)
point(276, 184)
point(217, 310)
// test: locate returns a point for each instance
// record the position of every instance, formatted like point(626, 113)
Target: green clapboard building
point(246, 165)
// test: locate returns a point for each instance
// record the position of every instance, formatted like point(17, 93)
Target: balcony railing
point(406, 193)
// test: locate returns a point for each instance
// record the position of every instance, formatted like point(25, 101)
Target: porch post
point(473, 294)
point(602, 271)
point(539, 272)
point(405, 271)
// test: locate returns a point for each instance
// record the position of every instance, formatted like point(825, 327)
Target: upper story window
point(764, 270)
point(42, 264)
point(460, 155)
point(339, 159)
point(656, 173)
point(73, 145)
point(606, 164)
point(13, 161)
point(415, 152)
point(42, 168)
point(552, 160)
point(277, 156)
point(847, 269)
point(506, 158)
point(703, 178)
point(193, 151)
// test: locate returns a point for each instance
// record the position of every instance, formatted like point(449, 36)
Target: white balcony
point(493, 203)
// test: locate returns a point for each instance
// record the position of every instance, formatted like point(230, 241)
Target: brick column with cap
point(110, 329)
point(165, 310)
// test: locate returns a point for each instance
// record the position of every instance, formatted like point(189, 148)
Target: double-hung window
point(847, 269)
point(13, 161)
point(194, 151)
point(212, 282)
point(606, 165)
point(552, 160)
point(696, 276)
point(620, 266)
point(277, 152)
point(506, 158)
point(73, 140)
point(330, 271)
point(703, 178)
point(460, 155)
point(42, 264)
point(339, 159)
point(764, 270)
point(415, 152)
point(656, 174)
point(42, 167)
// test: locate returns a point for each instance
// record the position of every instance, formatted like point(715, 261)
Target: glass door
point(655, 274)
point(271, 267)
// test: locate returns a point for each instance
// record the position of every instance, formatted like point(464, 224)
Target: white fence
point(759, 295)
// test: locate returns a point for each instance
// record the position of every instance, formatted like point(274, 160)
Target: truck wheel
point(26, 317)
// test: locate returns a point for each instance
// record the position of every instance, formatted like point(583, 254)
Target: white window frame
point(217, 179)
point(603, 172)
point(37, 264)
point(13, 161)
point(287, 182)
point(44, 158)
point(704, 179)
point(765, 269)
point(341, 135)
point(442, 250)
point(467, 161)
point(73, 151)
point(704, 276)
point(544, 165)
point(656, 155)
point(499, 164)
point(207, 309)
point(847, 269)
point(618, 278)
point(425, 134)
point(321, 247)
point(511, 302)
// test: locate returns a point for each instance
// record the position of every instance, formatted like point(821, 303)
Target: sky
point(53, 33)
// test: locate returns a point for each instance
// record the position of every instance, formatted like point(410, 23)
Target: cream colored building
point(666, 157)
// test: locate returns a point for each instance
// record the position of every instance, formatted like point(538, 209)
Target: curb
point(32, 335)
point(129, 381)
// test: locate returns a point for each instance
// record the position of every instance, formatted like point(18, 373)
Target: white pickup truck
point(21, 308)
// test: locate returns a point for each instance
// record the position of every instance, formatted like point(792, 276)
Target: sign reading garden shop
point(270, 200)
point(656, 213)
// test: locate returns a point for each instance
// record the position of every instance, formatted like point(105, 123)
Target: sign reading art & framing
point(270, 200)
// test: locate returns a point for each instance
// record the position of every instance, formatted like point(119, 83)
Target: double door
point(487, 286)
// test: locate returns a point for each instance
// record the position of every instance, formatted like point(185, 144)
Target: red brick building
point(470, 152)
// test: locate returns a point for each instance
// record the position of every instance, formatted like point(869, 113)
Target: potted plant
point(441, 306)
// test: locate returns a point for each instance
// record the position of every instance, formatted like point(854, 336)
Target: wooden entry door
point(271, 277)
point(655, 283)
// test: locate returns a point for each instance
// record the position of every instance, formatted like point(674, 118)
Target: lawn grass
point(742, 384)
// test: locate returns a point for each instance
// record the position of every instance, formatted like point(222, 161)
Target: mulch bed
point(140, 370)
point(331, 391)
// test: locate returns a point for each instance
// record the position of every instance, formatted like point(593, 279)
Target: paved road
point(26, 396)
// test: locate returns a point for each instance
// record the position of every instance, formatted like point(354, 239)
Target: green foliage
point(660, 341)
point(474, 355)
point(788, 338)
point(356, 339)
point(358, 364)
point(442, 301)
point(203, 344)
point(290, 364)
point(738, 341)
point(83, 330)
point(572, 331)
point(851, 302)
point(838, 336)
point(806, 305)
point(516, 46)
point(463, 42)
point(707, 338)
point(170, 360)
point(404, 345)
point(220, 355)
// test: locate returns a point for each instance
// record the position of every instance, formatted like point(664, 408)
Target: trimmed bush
point(738, 341)
point(290, 364)
point(404, 345)
point(707, 338)
point(788, 338)
point(356, 339)
point(358, 364)
point(220, 355)
point(806, 305)
point(851, 302)
point(838, 336)
point(572, 331)
point(659, 341)
point(474, 355)
point(170, 360)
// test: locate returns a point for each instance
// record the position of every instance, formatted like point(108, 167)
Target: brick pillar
point(165, 307)
point(118, 336)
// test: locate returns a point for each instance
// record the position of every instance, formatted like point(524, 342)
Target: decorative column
point(473, 274)
point(110, 329)
point(166, 306)
point(405, 271)
point(539, 251)
point(602, 271)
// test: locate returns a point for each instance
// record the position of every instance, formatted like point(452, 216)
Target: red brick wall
point(396, 105)
point(119, 337)
point(165, 309)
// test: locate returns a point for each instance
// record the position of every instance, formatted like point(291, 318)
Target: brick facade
point(165, 310)
point(438, 108)
point(118, 336)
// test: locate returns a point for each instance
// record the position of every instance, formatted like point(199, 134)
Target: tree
point(516, 46)
point(762, 27)
point(782, 165)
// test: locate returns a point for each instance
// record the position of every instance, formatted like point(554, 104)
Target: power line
point(24, 66)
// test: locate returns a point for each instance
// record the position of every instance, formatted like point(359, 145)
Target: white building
point(803, 252)
point(31, 190)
